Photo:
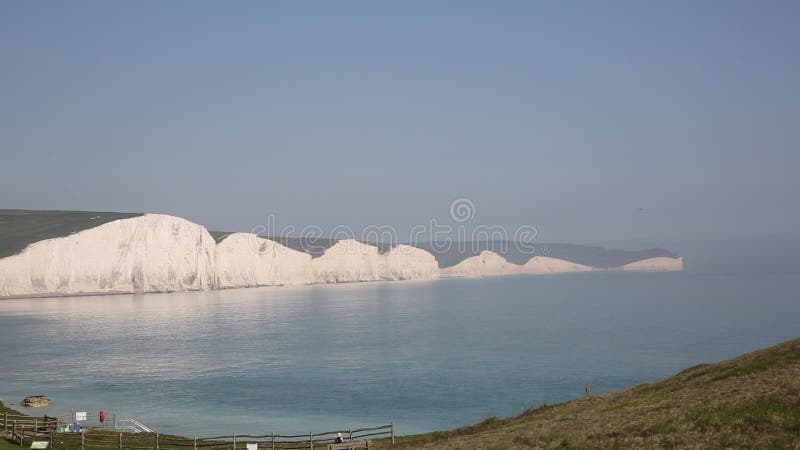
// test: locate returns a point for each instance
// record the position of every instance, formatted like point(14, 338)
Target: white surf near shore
point(162, 253)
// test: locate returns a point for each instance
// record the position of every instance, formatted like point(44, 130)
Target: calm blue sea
point(428, 355)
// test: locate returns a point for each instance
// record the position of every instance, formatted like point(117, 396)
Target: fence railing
point(25, 429)
point(7, 421)
point(131, 425)
point(126, 425)
point(21, 427)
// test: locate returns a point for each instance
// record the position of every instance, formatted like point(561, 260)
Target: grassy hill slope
point(20, 228)
point(752, 401)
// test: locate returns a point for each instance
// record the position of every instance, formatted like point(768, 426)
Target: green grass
point(20, 228)
point(762, 416)
point(663, 427)
point(749, 402)
point(759, 364)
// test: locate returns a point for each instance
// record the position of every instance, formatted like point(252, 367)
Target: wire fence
point(26, 429)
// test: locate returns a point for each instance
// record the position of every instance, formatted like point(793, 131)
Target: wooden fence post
point(234, 441)
point(194, 445)
point(83, 441)
point(311, 440)
point(393, 432)
point(5, 421)
point(157, 441)
point(120, 441)
point(273, 440)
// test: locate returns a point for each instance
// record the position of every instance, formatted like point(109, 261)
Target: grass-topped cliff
point(518, 253)
point(749, 402)
point(20, 227)
point(452, 253)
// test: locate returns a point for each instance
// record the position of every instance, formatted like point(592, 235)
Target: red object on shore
point(102, 416)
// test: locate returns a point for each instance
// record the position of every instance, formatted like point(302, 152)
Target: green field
point(752, 401)
point(20, 228)
point(749, 402)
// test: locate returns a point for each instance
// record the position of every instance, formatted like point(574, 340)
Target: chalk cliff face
point(246, 260)
point(544, 264)
point(660, 264)
point(491, 264)
point(486, 264)
point(149, 253)
point(349, 260)
point(404, 262)
point(160, 253)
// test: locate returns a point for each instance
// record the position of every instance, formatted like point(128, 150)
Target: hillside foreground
point(752, 401)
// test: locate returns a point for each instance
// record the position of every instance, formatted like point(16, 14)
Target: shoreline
point(336, 283)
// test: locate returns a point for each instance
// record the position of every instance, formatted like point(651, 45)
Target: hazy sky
point(568, 116)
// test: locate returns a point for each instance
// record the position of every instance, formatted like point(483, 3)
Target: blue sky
point(569, 116)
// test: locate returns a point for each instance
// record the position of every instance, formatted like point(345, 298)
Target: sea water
point(426, 355)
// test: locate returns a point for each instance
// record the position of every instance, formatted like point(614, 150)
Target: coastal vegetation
point(752, 401)
point(22, 227)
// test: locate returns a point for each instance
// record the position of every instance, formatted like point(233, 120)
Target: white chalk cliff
point(160, 253)
point(349, 260)
point(404, 262)
point(658, 264)
point(545, 264)
point(246, 260)
point(149, 253)
point(484, 265)
point(346, 261)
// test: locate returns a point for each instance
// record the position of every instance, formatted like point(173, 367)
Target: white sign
point(80, 416)
point(39, 444)
point(252, 446)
